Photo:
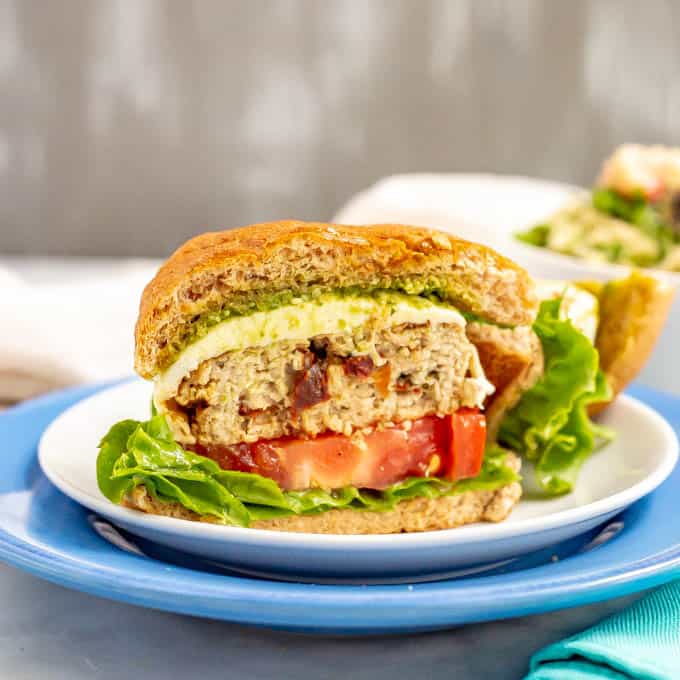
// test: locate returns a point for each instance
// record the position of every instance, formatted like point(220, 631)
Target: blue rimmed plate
point(51, 536)
point(634, 464)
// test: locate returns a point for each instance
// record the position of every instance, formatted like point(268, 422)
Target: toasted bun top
point(238, 268)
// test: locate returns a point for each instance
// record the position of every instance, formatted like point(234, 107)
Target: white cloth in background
point(62, 334)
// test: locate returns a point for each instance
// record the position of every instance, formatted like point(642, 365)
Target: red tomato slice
point(327, 461)
point(468, 440)
point(452, 447)
point(370, 461)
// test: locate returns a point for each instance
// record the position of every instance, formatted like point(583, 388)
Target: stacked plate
point(609, 538)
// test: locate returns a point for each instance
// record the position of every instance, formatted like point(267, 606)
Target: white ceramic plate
point(641, 457)
point(491, 209)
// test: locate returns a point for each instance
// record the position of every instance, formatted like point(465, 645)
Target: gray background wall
point(128, 125)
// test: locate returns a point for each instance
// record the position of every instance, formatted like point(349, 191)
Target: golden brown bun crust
point(220, 266)
point(632, 314)
point(512, 359)
point(416, 514)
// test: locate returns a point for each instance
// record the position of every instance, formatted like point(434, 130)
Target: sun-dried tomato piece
point(381, 380)
point(310, 387)
point(361, 367)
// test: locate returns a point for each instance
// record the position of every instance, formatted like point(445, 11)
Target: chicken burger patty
point(336, 383)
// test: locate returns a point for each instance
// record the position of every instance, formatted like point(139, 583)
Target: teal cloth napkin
point(640, 643)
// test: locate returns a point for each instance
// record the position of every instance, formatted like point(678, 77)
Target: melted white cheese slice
point(305, 319)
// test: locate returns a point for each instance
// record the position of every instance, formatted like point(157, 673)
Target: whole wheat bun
point(415, 514)
point(632, 314)
point(236, 268)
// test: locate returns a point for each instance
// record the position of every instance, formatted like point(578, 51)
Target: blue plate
point(49, 535)
point(642, 456)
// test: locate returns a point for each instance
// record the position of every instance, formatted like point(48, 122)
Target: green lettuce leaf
point(137, 453)
point(638, 211)
point(110, 451)
point(550, 424)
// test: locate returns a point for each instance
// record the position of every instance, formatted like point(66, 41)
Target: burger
point(358, 380)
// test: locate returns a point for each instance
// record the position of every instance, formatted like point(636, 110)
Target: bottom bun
point(415, 514)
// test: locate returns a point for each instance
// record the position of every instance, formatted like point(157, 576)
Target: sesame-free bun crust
point(415, 514)
point(234, 267)
point(633, 312)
